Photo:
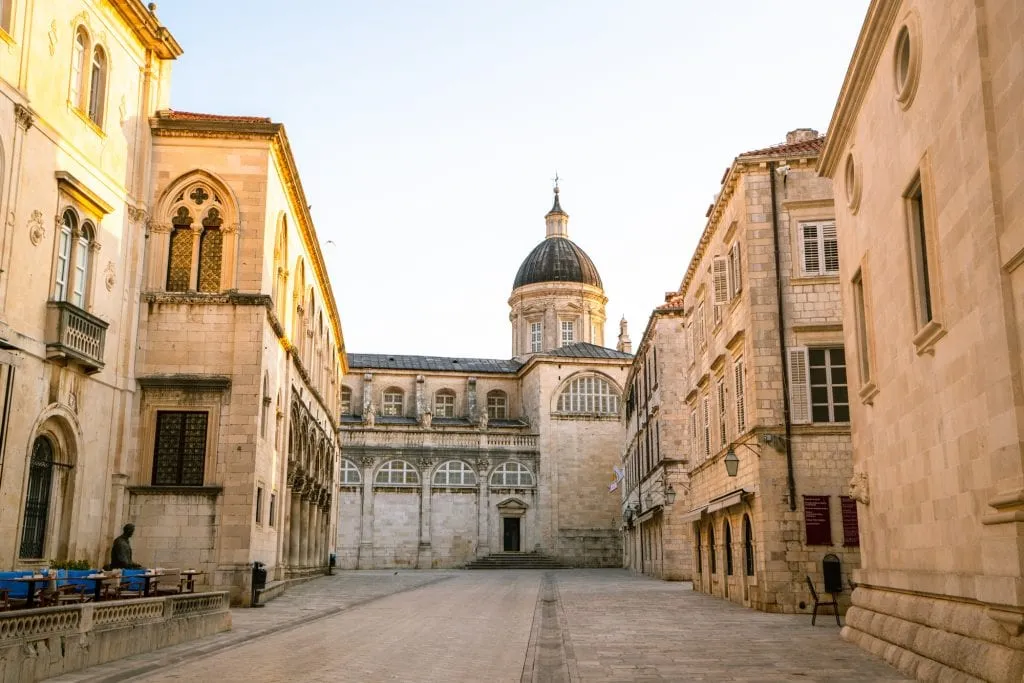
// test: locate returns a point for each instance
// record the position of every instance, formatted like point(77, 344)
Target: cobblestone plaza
point(497, 626)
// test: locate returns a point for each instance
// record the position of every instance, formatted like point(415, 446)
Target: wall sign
point(817, 522)
point(851, 532)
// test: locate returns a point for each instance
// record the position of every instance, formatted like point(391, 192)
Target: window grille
point(37, 503)
point(589, 394)
point(179, 456)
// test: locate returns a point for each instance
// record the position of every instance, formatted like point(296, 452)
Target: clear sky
point(427, 135)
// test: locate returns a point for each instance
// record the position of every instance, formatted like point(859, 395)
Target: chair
point(5, 600)
point(131, 584)
point(169, 584)
point(818, 602)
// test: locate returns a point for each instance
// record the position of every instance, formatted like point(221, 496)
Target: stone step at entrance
point(512, 560)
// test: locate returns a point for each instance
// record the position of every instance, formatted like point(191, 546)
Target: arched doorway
point(37, 499)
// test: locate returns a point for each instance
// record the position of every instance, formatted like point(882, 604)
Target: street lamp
point(732, 462)
point(670, 495)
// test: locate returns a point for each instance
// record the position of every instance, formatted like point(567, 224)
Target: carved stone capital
point(366, 461)
point(229, 229)
point(94, 247)
point(24, 116)
point(159, 228)
point(135, 214)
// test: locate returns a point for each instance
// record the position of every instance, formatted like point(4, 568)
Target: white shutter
point(812, 254)
point(694, 441)
point(735, 277)
point(720, 279)
point(830, 247)
point(707, 427)
point(799, 386)
point(701, 325)
point(723, 434)
point(741, 407)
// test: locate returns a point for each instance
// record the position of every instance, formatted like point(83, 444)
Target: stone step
point(530, 560)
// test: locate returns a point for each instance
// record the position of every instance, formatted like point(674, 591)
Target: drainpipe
point(790, 482)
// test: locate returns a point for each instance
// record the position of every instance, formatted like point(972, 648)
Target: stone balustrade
point(436, 439)
point(42, 643)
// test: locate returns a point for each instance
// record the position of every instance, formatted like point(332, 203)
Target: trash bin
point(259, 581)
point(331, 562)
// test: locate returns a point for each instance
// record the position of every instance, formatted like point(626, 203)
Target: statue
point(370, 418)
point(481, 420)
point(121, 551)
point(425, 419)
point(859, 487)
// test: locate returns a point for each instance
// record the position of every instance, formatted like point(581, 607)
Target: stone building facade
point(167, 325)
point(450, 459)
point(926, 150)
point(758, 382)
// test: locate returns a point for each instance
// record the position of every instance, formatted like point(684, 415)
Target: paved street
point(579, 625)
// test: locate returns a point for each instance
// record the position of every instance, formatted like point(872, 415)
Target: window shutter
point(720, 279)
point(707, 427)
point(830, 246)
point(735, 278)
point(812, 255)
point(741, 408)
point(799, 386)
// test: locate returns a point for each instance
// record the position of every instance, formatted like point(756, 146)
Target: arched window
point(179, 263)
point(37, 501)
point(98, 85)
point(350, 473)
point(728, 548)
point(346, 401)
point(393, 402)
point(397, 473)
point(444, 403)
point(68, 226)
point(711, 549)
point(211, 250)
point(79, 50)
point(748, 545)
point(512, 474)
point(454, 473)
point(589, 394)
point(497, 405)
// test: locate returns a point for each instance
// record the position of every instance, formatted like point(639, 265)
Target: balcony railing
point(73, 334)
point(434, 439)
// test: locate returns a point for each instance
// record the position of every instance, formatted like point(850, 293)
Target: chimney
point(801, 135)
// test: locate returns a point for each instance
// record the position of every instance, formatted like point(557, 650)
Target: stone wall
point(174, 529)
point(43, 643)
point(396, 527)
point(454, 518)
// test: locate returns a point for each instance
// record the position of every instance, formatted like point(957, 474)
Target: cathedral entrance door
point(510, 527)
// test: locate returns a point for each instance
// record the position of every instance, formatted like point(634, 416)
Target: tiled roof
point(585, 350)
point(785, 149)
point(382, 361)
point(671, 303)
point(198, 116)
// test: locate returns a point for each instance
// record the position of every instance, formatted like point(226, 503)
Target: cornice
point(147, 27)
point(870, 43)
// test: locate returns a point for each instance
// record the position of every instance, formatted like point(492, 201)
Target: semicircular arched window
point(454, 473)
point(37, 500)
point(589, 394)
point(396, 473)
point(512, 474)
point(349, 473)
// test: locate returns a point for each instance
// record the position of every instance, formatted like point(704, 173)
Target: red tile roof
point(198, 116)
point(804, 147)
point(671, 302)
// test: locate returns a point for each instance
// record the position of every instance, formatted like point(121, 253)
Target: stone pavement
point(497, 626)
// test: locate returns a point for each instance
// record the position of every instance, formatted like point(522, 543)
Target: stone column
point(310, 534)
point(483, 544)
point(314, 529)
point(295, 526)
point(424, 559)
point(303, 559)
point(365, 560)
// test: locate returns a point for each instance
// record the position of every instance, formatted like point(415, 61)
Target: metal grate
point(179, 266)
point(37, 505)
point(180, 452)
point(211, 246)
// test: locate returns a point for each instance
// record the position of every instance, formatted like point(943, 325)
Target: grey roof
point(585, 350)
point(557, 259)
point(383, 361)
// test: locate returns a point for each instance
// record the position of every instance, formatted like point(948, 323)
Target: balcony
point(74, 335)
point(433, 439)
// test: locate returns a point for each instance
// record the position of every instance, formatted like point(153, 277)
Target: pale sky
point(427, 134)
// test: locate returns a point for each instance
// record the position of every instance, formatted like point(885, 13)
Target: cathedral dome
point(557, 259)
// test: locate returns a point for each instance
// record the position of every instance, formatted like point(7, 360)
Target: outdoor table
point(147, 580)
point(97, 580)
point(188, 577)
point(32, 581)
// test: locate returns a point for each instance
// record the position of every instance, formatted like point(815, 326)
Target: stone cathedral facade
point(446, 460)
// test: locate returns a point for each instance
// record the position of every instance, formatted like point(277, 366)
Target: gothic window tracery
point(196, 251)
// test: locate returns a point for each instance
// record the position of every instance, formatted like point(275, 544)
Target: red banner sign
point(817, 522)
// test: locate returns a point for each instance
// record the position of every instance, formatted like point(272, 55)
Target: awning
point(692, 515)
point(726, 501)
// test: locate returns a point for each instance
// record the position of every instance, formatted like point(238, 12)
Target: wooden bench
point(818, 602)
